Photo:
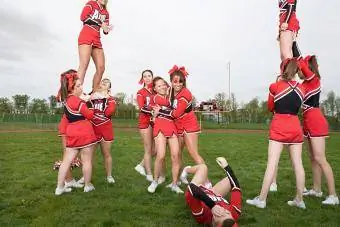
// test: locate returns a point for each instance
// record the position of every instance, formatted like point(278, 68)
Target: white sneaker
point(59, 191)
point(256, 202)
point(149, 178)
point(81, 180)
point(161, 180)
point(184, 175)
point(110, 179)
point(312, 192)
point(222, 162)
point(89, 188)
point(294, 203)
point(152, 187)
point(177, 189)
point(140, 169)
point(331, 200)
point(73, 184)
point(273, 187)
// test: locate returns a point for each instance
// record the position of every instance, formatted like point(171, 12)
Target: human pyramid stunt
point(166, 119)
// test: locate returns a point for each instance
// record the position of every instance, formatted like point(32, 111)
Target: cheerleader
point(144, 97)
point(315, 129)
point(284, 100)
point(70, 182)
point(104, 106)
point(94, 17)
point(288, 28)
point(79, 133)
point(164, 132)
point(185, 119)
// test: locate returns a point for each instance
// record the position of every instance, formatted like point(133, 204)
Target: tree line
point(254, 111)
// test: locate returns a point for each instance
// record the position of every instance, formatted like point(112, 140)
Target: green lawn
point(27, 184)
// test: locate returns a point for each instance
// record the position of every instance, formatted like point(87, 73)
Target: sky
point(38, 41)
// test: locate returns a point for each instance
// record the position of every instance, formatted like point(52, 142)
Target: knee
point(100, 69)
point(320, 159)
point(202, 167)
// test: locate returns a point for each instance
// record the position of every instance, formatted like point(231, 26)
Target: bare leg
point(191, 141)
point(86, 158)
point(286, 43)
point(295, 151)
point(319, 155)
point(84, 60)
point(99, 61)
point(106, 151)
point(274, 152)
point(175, 159)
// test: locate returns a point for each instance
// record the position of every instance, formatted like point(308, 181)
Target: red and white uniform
point(93, 16)
point(101, 121)
point(62, 126)
point(163, 124)
point(185, 118)
point(285, 99)
point(202, 213)
point(144, 99)
point(288, 14)
point(79, 132)
point(314, 122)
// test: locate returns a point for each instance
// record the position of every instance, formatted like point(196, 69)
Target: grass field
point(27, 184)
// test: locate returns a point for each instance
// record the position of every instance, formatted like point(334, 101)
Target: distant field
point(27, 184)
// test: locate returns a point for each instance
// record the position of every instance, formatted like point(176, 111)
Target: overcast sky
point(39, 41)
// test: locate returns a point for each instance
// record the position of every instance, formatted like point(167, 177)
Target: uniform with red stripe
point(185, 119)
point(162, 123)
point(79, 132)
point(199, 205)
point(102, 123)
point(93, 16)
point(288, 14)
point(62, 126)
point(144, 99)
point(285, 99)
point(314, 122)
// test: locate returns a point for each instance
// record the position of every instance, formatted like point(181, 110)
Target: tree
point(221, 100)
point(21, 103)
point(329, 105)
point(5, 105)
point(38, 106)
point(252, 109)
point(52, 103)
point(120, 97)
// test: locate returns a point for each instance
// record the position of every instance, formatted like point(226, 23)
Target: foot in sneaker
point(177, 189)
point(161, 180)
point(331, 200)
point(273, 187)
point(81, 180)
point(295, 203)
point(110, 179)
point(140, 169)
point(184, 175)
point(312, 192)
point(152, 187)
point(61, 190)
point(222, 162)
point(149, 178)
point(73, 184)
point(89, 188)
point(256, 202)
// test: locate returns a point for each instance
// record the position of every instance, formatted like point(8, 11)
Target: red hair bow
point(180, 69)
point(284, 63)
